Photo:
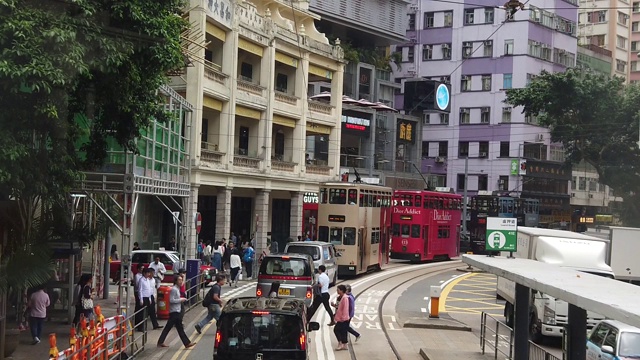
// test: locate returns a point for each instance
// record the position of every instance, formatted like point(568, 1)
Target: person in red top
point(341, 317)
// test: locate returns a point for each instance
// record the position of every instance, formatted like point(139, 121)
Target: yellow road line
point(489, 300)
point(481, 287)
point(447, 290)
point(472, 292)
point(198, 337)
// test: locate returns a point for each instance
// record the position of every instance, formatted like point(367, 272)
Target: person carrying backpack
point(213, 303)
point(247, 257)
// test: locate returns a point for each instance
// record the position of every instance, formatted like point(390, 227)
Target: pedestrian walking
point(226, 258)
point(248, 256)
point(136, 246)
point(85, 300)
point(321, 295)
point(352, 312)
point(342, 319)
point(38, 304)
point(175, 315)
point(213, 303)
point(114, 253)
point(158, 270)
point(147, 299)
point(216, 256)
point(77, 291)
point(200, 249)
point(235, 265)
point(206, 254)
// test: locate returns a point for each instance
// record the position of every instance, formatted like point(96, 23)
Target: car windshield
point(263, 331)
point(173, 256)
point(629, 345)
point(285, 266)
point(308, 250)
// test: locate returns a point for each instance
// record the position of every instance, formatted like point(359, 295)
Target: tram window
point(335, 236)
point(349, 236)
point(353, 195)
point(378, 201)
point(418, 201)
point(323, 195)
point(369, 198)
point(445, 204)
point(415, 231)
point(405, 229)
point(395, 230)
point(323, 233)
point(375, 237)
point(443, 232)
point(337, 196)
point(361, 200)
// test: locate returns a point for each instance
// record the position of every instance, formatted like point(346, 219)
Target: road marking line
point(424, 310)
point(446, 288)
point(225, 296)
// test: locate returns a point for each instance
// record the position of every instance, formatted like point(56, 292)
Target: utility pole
point(464, 209)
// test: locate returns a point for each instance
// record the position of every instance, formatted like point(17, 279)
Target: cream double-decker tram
point(356, 219)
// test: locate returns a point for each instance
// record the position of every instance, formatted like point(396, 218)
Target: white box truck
point(623, 255)
point(547, 315)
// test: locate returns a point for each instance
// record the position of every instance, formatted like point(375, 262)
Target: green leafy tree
point(62, 61)
point(596, 118)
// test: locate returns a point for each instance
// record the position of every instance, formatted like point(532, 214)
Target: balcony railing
point(280, 165)
point(251, 87)
point(245, 161)
point(209, 153)
point(320, 107)
point(286, 98)
point(214, 72)
point(319, 170)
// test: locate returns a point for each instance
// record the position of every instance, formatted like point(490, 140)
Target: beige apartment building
point(251, 66)
point(634, 68)
point(608, 24)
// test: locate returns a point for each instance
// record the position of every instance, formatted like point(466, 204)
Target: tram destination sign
point(502, 234)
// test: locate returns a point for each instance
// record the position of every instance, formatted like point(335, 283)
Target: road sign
point(502, 234)
point(198, 222)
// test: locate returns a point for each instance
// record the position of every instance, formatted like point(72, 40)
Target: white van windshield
point(307, 250)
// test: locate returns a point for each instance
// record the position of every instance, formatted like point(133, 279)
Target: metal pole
point(518, 171)
point(464, 208)
point(106, 265)
point(373, 143)
point(521, 326)
point(429, 182)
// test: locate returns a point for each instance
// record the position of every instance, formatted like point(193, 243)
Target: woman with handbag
point(77, 302)
point(86, 297)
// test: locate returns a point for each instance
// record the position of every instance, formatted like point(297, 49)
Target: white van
point(321, 252)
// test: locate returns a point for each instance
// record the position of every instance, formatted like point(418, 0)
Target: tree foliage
point(596, 118)
point(103, 59)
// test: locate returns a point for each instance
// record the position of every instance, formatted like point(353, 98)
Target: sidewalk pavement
point(40, 351)
point(444, 339)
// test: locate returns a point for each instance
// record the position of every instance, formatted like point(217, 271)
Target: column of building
point(262, 216)
point(228, 114)
point(189, 238)
point(265, 132)
point(336, 132)
point(223, 213)
point(296, 214)
point(300, 132)
point(195, 85)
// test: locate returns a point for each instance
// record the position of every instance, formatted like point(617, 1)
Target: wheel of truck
point(535, 332)
point(508, 314)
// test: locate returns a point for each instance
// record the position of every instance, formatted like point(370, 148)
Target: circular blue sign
point(442, 97)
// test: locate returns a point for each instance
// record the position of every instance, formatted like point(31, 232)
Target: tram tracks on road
point(380, 280)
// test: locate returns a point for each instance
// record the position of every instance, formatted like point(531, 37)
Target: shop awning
point(216, 32)
point(318, 129)
point(284, 121)
point(212, 103)
point(247, 112)
point(320, 71)
point(286, 59)
point(248, 46)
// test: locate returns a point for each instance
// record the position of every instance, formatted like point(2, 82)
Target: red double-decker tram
point(425, 225)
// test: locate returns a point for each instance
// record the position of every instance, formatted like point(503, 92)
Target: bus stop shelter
point(584, 292)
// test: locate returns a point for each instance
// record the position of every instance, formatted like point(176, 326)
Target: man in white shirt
point(159, 271)
point(321, 296)
point(206, 253)
point(146, 297)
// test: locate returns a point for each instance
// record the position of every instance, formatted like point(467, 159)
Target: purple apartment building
point(464, 43)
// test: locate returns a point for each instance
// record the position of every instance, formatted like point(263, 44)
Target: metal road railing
point(499, 337)
point(496, 335)
point(538, 353)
